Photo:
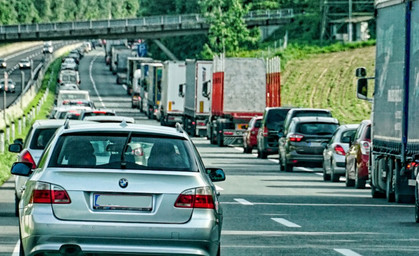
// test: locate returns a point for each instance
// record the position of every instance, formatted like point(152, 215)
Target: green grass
point(7, 158)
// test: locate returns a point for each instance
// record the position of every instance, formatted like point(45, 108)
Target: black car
point(304, 141)
point(267, 138)
point(300, 112)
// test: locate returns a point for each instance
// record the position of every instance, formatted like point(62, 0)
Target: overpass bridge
point(153, 27)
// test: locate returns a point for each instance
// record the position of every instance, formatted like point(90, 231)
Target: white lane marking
point(274, 160)
point(328, 205)
point(93, 81)
point(218, 188)
point(238, 148)
point(286, 222)
point(297, 233)
point(347, 252)
point(242, 201)
point(17, 249)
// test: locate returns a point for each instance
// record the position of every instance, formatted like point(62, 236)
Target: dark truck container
point(395, 115)
point(241, 89)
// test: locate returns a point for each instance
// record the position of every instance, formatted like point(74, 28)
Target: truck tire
point(390, 186)
point(398, 196)
point(288, 167)
point(375, 193)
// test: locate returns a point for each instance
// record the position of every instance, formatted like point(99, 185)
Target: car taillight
point(27, 157)
point(45, 193)
point(228, 133)
point(265, 132)
point(201, 124)
point(296, 137)
point(339, 150)
point(365, 147)
point(196, 198)
point(412, 165)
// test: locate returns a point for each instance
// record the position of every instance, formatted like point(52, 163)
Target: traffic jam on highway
point(198, 157)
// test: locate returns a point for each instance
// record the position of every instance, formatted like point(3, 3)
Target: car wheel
point(16, 206)
point(263, 154)
point(389, 186)
point(219, 250)
point(220, 141)
point(416, 204)
point(333, 176)
point(359, 183)
point(326, 176)
point(246, 149)
point(348, 182)
point(281, 166)
point(288, 167)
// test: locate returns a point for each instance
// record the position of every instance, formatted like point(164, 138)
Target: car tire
point(389, 186)
point(416, 204)
point(16, 206)
point(348, 182)
point(359, 183)
point(326, 176)
point(333, 176)
point(288, 167)
point(263, 154)
point(246, 149)
point(220, 141)
point(281, 166)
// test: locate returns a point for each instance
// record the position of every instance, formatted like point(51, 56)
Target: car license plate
point(122, 202)
point(314, 144)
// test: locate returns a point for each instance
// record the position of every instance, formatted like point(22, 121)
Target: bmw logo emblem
point(123, 183)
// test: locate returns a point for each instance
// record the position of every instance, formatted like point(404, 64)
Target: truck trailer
point(172, 100)
point(395, 136)
point(241, 89)
point(150, 90)
point(134, 64)
point(122, 65)
point(197, 103)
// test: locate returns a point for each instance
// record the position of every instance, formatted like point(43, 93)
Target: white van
point(72, 95)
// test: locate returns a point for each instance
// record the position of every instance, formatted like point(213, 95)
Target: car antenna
point(179, 128)
point(67, 124)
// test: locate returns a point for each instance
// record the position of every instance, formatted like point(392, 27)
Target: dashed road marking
point(286, 222)
point(219, 188)
point(17, 249)
point(347, 252)
point(242, 201)
point(93, 81)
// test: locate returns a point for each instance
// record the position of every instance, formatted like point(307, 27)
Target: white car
point(11, 86)
point(24, 63)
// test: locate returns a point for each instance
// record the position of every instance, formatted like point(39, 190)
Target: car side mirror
point(216, 174)
point(361, 72)
point(15, 147)
point(21, 169)
point(18, 141)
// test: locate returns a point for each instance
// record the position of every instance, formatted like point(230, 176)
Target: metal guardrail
point(144, 21)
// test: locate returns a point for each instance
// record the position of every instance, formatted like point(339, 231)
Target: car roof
point(105, 119)
point(125, 127)
point(51, 123)
point(309, 109)
point(307, 119)
point(349, 126)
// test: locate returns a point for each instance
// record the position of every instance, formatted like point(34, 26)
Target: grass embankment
point(7, 158)
point(323, 77)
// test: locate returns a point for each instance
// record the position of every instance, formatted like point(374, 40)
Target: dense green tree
point(228, 31)
point(26, 11)
point(8, 14)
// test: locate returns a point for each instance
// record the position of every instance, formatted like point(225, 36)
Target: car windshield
point(316, 128)
point(276, 118)
point(41, 137)
point(104, 150)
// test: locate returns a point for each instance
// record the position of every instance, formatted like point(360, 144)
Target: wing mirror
point(216, 174)
point(21, 169)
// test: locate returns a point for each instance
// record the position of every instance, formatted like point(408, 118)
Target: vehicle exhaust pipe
point(70, 250)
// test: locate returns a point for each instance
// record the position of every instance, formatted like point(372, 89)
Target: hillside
point(328, 81)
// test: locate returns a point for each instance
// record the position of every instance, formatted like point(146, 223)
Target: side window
point(258, 123)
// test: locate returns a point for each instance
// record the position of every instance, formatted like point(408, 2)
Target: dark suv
point(267, 138)
point(304, 141)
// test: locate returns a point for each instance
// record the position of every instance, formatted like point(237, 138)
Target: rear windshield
point(276, 118)
point(316, 128)
point(258, 123)
point(99, 113)
point(69, 78)
point(312, 113)
point(123, 151)
point(347, 134)
point(41, 138)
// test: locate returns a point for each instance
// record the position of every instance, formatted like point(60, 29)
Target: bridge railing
point(143, 21)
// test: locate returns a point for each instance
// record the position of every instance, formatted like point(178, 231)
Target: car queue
point(306, 137)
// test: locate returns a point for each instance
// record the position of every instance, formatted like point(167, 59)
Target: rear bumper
point(270, 145)
point(296, 159)
point(199, 236)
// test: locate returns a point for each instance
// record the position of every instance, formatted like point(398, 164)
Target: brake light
point(99, 112)
point(45, 193)
point(365, 147)
point(265, 131)
point(228, 133)
point(27, 157)
point(296, 137)
point(339, 150)
point(412, 165)
point(201, 124)
point(196, 198)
